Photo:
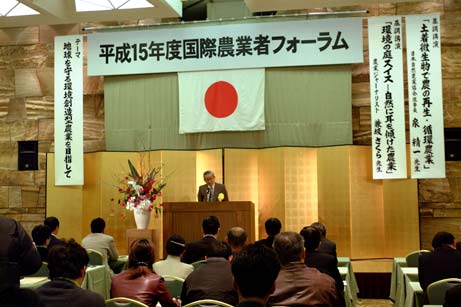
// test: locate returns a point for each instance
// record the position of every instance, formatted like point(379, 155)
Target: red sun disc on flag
point(221, 99)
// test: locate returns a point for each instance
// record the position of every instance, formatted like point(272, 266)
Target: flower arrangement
point(140, 190)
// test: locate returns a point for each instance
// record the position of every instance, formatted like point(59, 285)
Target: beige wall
point(297, 185)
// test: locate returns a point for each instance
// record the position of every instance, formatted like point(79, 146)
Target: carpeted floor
point(374, 303)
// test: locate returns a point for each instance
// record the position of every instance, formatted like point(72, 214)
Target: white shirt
point(172, 265)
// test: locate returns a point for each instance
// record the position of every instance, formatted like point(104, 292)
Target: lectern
point(185, 218)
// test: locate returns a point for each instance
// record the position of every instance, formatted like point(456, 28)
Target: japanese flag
point(227, 100)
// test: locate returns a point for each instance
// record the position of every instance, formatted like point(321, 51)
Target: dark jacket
point(327, 264)
point(54, 241)
point(18, 256)
point(443, 262)
point(218, 188)
point(453, 297)
point(197, 250)
point(328, 247)
point(60, 292)
point(212, 280)
point(267, 241)
point(148, 289)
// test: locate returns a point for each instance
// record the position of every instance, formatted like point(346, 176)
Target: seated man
point(211, 280)
point(198, 250)
point(236, 238)
point(172, 265)
point(67, 263)
point(101, 242)
point(443, 262)
point(41, 235)
point(323, 262)
point(273, 227)
point(18, 257)
point(53, 223)
point(297, 284)
point(255, 269)
point(326, 246)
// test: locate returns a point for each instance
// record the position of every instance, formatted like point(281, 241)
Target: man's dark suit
point(54, 241)
point(453, 297)
point(57, 293)
point(443, 262)
point(197, 250)
point(327, 246)
point(218, 188)
point(329, 265)
point(212, 280)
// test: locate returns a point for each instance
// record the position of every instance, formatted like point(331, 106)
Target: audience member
point(67, 263)
point(255, 269)
point(326, 246)
point(453, 297)
point(41, 235)
point(139, 282)
point(323, 262)
point(18, 257)
point(273, 227)
point(213, 279)
point(172, 265)
point(443, 262)
point(53, 223)
point(18, 297)
point(298, 284)
point(198, 250)
point(236, 238)
point(101, 242)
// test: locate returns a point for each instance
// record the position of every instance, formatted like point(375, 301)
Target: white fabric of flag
point(227, 100)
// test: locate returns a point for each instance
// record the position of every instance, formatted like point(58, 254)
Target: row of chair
point(128, 302)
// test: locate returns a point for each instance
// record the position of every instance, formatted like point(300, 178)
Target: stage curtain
point(304, 106)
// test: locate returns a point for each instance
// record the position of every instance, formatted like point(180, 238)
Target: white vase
point(141, 217)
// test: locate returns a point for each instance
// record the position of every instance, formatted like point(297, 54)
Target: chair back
point(207, 303)
point(174, 285)
point(96, 257)
point(412, 258)
point(436, 290)
point(196, 264)
point(42, 271)
point(124, 302)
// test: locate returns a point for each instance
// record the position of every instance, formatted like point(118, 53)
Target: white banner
point(263, 44)
point(387, 99)
point(68, 109)
point(427, 143)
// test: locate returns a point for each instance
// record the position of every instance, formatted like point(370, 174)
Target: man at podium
point(211, 191)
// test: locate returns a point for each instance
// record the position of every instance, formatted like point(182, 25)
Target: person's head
point(98, 225)
point(443, 238)
point(236, 237)
point(209, 178)
point(273, 226)
point(175, 245)
point(141, 254)
point(320, 227)
point(41, 234)
point(219, 249)
point(210, 225)
point(53, 223)
point(289, 246)
point(68, 260)
point(311, 237)
point(255, 269)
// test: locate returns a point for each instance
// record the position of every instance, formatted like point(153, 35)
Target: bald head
point(236, 237)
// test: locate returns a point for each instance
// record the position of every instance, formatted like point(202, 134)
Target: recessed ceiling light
point(105, 5)
point(22, 10)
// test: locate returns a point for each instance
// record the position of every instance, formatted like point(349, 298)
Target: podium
point(185, 218)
